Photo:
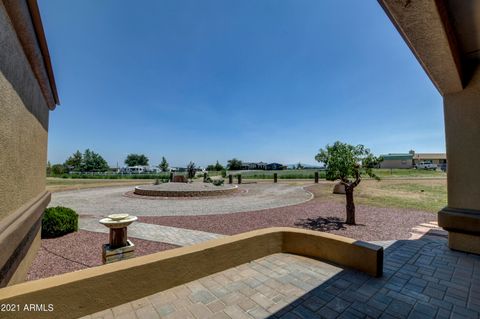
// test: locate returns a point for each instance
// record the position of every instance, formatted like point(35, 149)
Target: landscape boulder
point(339, 188)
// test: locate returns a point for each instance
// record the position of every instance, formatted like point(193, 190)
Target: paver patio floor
point(422, 279)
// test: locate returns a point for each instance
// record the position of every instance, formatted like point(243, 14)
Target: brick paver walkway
point(165, 234)
point(422, 279)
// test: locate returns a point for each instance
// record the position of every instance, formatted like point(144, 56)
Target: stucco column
point(462, 129)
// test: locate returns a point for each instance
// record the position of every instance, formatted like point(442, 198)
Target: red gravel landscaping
point(373, 223)
point(80, 250)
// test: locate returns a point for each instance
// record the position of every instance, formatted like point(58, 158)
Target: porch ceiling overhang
point(442, 34)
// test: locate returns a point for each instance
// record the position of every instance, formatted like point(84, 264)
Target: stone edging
point(167, 193)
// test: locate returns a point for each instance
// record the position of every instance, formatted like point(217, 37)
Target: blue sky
point(269, 80)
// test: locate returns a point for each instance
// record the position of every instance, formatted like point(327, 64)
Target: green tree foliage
point(93, 162)
point(136, 160)
point(58, 169)
point(74, 162)
point(89, 161)
point(191, 170)
point(234, 164)
point(49, 168)
point(217, 167)
point(163, 164)
point(347, 163)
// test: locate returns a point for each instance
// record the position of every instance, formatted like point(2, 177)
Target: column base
point(463, 226)
point(464, 242)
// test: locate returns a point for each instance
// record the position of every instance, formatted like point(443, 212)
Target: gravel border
point(373, 223)
point(80, 250)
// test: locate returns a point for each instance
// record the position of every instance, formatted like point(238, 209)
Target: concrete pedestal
point(119, 247)
point(110, 254)
point(118, 237)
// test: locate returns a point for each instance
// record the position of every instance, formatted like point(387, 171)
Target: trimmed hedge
point(58, 221)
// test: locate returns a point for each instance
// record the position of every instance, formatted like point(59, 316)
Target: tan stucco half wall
point(91, 290)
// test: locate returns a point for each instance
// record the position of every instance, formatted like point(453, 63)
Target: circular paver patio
point(109, 200)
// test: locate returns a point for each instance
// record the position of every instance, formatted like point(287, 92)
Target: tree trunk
point(350, 205)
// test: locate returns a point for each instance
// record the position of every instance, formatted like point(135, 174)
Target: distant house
point(397, 160)
point(253, 165)
point(439, 159)
point(274, 167)
point(262, 165)
point(249, 165)
point(411, 159)
point(138, 169)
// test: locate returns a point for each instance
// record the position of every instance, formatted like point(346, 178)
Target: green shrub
point(217, 182)
point(208, 180)
point(58, 221)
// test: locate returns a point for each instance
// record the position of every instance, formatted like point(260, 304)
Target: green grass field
point(60, 184)
point(417, 194)
point(407, 173)
point(284, 174)
point(260, 174)
point(310, 173)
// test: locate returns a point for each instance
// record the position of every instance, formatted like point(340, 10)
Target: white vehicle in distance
point(426, 165)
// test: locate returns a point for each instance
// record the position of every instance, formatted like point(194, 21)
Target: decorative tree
point(234, 164)
point(93, 162)
point(136, 160)
point(58, 169)
point(163, 164)
point(74, 162)
point(346, 163)
point(49, 168)
point(191, 170)
point(217, 167)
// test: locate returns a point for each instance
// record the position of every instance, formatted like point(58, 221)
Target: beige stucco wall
point(23, 125)
point(23, 142)
point(462, 128)
point(23, 154)
point(22, 269)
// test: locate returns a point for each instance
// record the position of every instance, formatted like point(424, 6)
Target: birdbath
point(118, 223)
